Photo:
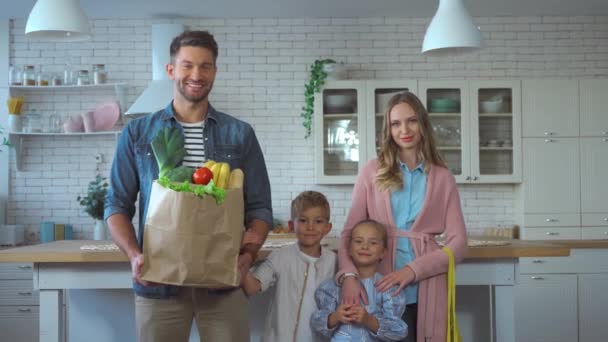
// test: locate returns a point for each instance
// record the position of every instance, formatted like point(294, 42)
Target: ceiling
point(312, 8)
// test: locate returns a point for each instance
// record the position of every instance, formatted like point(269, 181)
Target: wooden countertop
point(69, 250)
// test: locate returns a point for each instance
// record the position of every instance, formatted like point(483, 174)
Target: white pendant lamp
point(451, 31)
point(58, 21)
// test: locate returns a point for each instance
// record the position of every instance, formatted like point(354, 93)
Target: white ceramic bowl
point(338, 100)
point(494, 106)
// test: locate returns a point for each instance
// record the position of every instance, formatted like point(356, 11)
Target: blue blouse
point(386, 308)
point(406, 204)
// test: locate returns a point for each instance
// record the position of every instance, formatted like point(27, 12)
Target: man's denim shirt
point(226, 138)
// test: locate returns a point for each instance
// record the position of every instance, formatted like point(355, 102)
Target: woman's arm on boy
point(391, 326)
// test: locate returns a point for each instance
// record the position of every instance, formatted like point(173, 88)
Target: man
point(164, 312)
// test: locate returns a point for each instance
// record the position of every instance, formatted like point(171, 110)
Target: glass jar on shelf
point(34, 122)
point(29, 75)
point(68, 75)
point(15, 77)
point(42, 79)
point(99, 74)
point(56, 80)
point(83, 77)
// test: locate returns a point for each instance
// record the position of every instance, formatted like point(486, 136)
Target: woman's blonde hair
point(389, 175)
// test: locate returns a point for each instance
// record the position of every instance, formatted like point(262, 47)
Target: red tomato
point(202, 176)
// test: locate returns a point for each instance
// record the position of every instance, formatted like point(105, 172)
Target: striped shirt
point(194, 144)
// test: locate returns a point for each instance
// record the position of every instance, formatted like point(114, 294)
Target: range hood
point(160, 90)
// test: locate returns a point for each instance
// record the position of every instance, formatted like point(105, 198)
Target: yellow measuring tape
point(453, 334)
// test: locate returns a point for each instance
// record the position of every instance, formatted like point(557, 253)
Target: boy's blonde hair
point(309, 199)
point(380, 228)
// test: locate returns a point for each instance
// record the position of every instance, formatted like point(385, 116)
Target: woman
point(410, 190)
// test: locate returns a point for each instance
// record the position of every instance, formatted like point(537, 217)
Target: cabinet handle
point(549, 140)
point(550, 220)
point(606, 219)
point(468, 178)
point(24, 310)
point(552, 233)
point(475, 178)
point(604, 132)
point(537, 261)
point(605, 233)
point(549, 133)
point(24, 267)
point(537, 278)
point(605, 140)
point(24, 293)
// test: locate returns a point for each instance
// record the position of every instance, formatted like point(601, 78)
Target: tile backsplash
point(263, 65)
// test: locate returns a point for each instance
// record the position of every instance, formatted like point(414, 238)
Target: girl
point(410, 190)
point(380, 319)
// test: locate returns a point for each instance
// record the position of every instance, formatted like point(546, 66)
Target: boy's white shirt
point(285, 269)
point(304, 333)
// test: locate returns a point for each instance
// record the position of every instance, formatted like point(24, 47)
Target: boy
point(296, 271)
point(380, 319)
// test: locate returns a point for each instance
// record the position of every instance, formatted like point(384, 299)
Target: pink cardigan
point(441, 212)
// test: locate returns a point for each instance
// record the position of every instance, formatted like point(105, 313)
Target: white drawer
point(594, 233)
point(19, 323)
point(16, 271)
point(535, 265)
point(595, 219)
point(550, 233)
point(552, 220)
point(18, 292)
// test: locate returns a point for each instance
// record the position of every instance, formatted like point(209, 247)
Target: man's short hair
point(202, 39)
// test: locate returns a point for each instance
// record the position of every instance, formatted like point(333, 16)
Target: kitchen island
point(98, 284)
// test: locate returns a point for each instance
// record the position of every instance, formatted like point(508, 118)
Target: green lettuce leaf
point(199, 190)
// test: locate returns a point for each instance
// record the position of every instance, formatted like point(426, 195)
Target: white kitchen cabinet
point(477, 128)
point(545, 307)
point(36, 93)
point(592, 304)
point(594, 107)
point(347, 126)
point(594, 167)
point(19, 314)
point(550, 108)
point(551, 175)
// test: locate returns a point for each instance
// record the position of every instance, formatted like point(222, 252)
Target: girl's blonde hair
point(379, 227)
point(389, 175)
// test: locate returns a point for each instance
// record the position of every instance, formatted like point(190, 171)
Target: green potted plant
point(318, 74)
point(93, 204)
point(5, 141)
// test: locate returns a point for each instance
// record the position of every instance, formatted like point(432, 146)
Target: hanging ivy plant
point(314, 85)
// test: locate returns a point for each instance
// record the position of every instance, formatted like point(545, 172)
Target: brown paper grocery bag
point(192, 241)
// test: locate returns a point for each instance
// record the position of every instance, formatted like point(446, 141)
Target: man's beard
point(194, 99)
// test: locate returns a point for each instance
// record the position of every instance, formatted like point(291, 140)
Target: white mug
point(89, 122)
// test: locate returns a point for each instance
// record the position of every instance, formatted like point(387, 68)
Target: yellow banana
point(215, 169)
point(224, 176)
point(209, 164)
point(236, 179)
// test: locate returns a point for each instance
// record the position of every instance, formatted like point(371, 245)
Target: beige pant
point(221, 317)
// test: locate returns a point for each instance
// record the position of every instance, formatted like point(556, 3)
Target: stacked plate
point(444, 106)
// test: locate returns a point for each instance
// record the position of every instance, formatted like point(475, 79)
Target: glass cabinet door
point(496, 134)
point(338, 138)
point(379, 94)
point(447, 105)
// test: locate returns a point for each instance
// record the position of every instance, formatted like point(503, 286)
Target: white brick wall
point(263, 65)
